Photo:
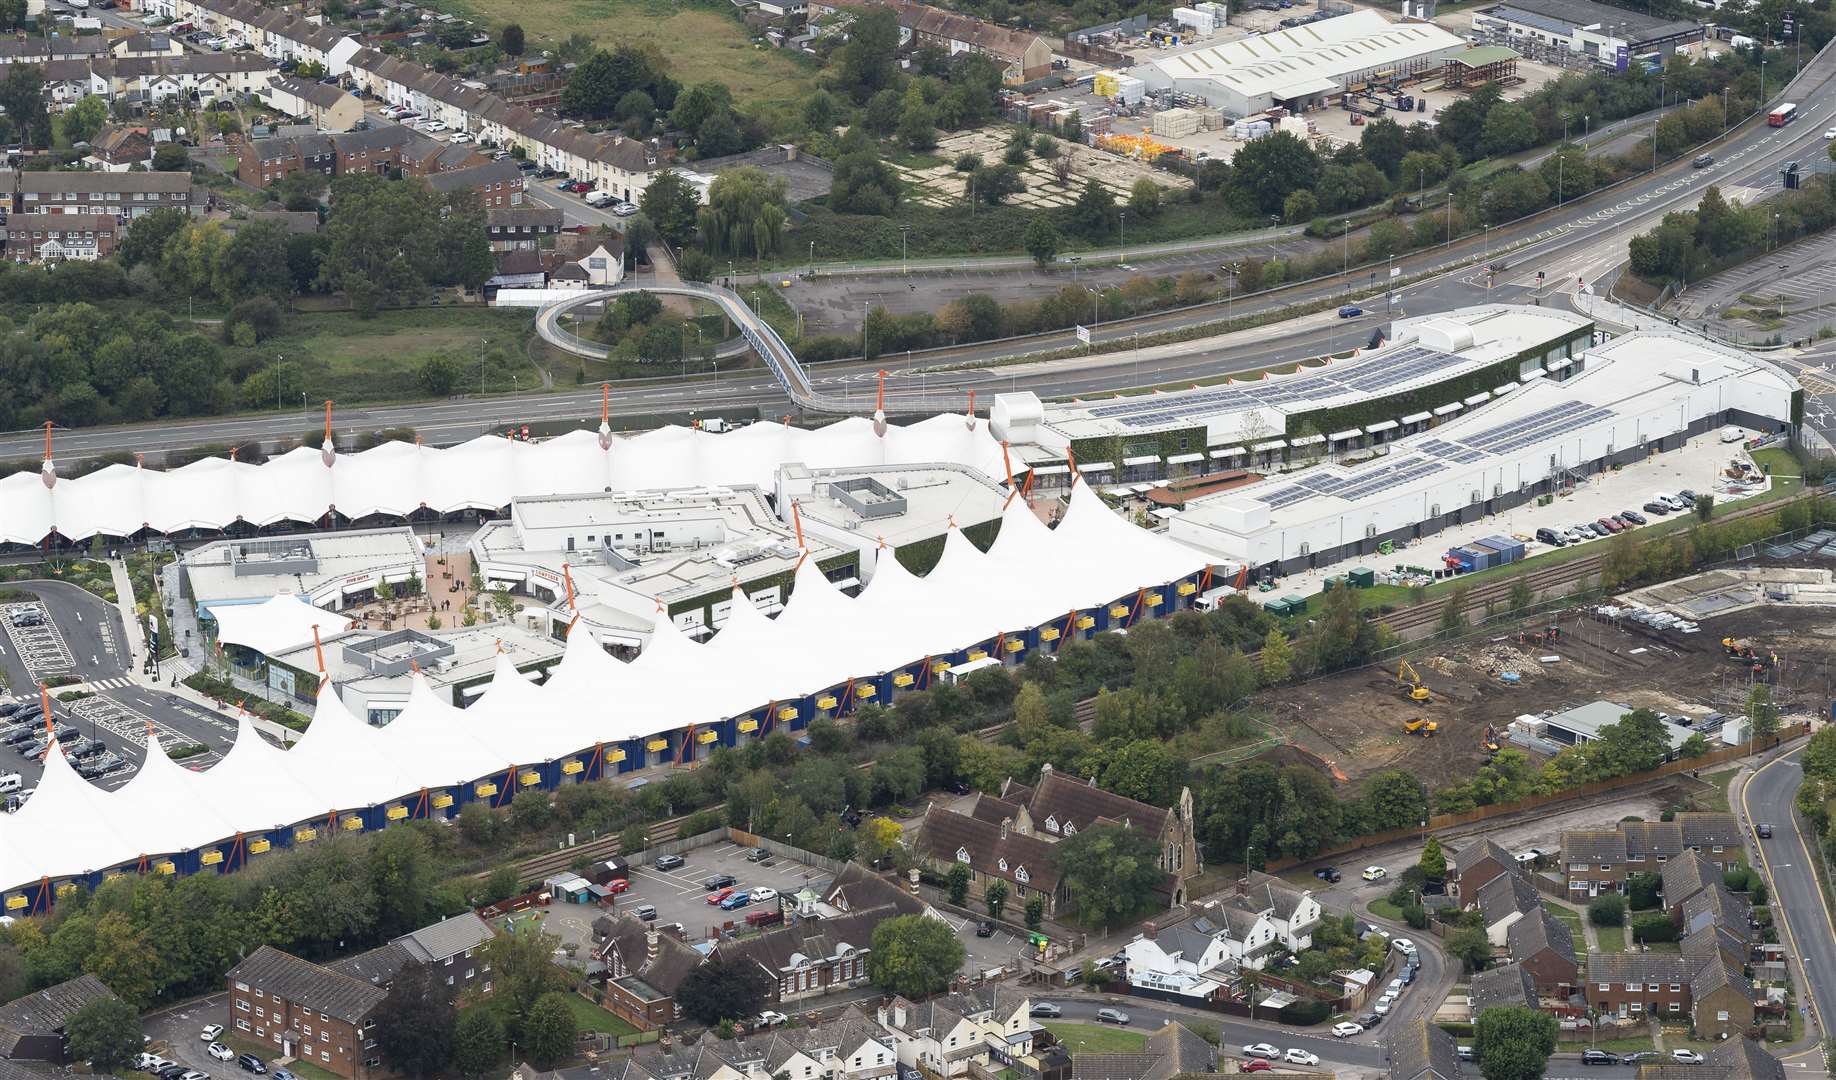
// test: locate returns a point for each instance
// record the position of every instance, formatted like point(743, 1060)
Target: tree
point(121, 956)
point(1384, 143)
point(956, 883)
point(1144, 769)
point(85, 118)
point(716, 991)
point(1642, 890)
point(671, 203)
point(1471, 946)
point(12, 14)
point(414, 1023)
point(1111, 870)
point(522, 971)
point(254, 263)
point(1521, 595)
point(1608, 910)
point(148, 236)
point(1035, 911)
point(745, 213)
point(1762, 712)
point(1041, 239)
point(863, 183)
point(1656, 926)
point(22, 99)
point(1093, 215)
point(1509, 127)
point(914, 955)
point(1434, 860)
point(104, 1033)
point(1513, 1042)
point(917, 120)
point(995, 896)
point(478, 1043)
point(547, 1033)
point(1300, 205)
point(1144, 198)
point(1267, 169)
point(510, 39)
point(993, 184)
point(1277, 658)
point(382, 237)
point(866, 63)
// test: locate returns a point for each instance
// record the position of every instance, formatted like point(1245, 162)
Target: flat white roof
point(475, 653)
point(934, 496)
point(336, 556)
point(1308, 59)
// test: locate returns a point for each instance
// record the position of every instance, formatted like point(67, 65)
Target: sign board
point(1083, 335)
point(1622, 58)
point(1396, 271)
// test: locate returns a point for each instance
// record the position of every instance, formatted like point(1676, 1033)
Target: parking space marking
point(41, 646)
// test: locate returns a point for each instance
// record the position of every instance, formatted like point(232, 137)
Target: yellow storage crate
point(442, 801)
point(903, 679)
point(940, 666)
point(67, 889)
point(1187, 588)
point(396, 813)
point(572, 766)
point(978, 654)
point(614, 756)
point(1049, 633)
point(866, 690)
point(352, 823)
point(656, 745)
point(748, 726)
point(1119, 611)
point(164, 866)
point(15, 902)
point(1014, 645)
point(485, 789)
point(1152, 599)
point(707, 737)
point(788, 712)
point(826, 701)
point(211, 857)
point(305, 835)
point(1085, 622)
point(529, 778)
point(259, 845)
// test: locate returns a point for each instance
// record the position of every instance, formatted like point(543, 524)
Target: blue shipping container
point(1483, 558)
point(1503, 550)
point(1513, 546)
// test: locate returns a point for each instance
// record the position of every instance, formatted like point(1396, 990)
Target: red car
point(617, 885)
point(580, 187)
point(1256, 1065)
point(717, 896)
point(1610, 525)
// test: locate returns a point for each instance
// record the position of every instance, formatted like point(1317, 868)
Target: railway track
point(553, 862)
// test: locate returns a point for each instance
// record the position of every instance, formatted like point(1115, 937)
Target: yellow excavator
point(1422, 726)
point(1412, 684)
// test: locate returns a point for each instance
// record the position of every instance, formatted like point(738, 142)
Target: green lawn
point(1612, 938)
point(1383, 909)
point(1092, 1039)
point(1573, 919)
point(306, 1070)
point(590, 1017)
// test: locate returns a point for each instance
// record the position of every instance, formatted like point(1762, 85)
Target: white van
point(11, 782)
point(962, 671)
point(599, 198)
point(1732, 435)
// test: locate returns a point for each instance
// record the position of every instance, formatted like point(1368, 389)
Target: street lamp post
point(1122, 220)
point(904, 232)
point(812, 272)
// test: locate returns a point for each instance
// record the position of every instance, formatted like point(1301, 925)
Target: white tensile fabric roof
point(1031, 576)
point(484, 474)
point(276, 624)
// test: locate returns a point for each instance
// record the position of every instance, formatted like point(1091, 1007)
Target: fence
point(1599, 787)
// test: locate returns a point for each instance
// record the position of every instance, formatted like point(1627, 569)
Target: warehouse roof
point(1566, 16)
point(1293, 63)
point(1483, 55)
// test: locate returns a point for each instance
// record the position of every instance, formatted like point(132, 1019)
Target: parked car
point(735, 902)
point(1404, 945)
point(1612, 525)
point(757, 855)
point(667, 862)
point(1350, 311)
point(460, 137)
point(1375, 873)
point(1329, 873)
point(1599, 1057)
point(1046, 1009)
point(770, 1019)
point(764, 894)
point(1688, 496)
point(1464, 1053)
point(1637, 1056)
point(1262, 1050)
point(1256, 1065)
point(1683, 1056)
point(984, 928)
point(718, 896)
point(251, 1063)
point(150, 1062)
point(281, 1074)
point(1112, 1016)
point(1633, 516)
point(1658, 508)
point(719, 881)
point(1301, 1057)
point(210, 1033)
point(220, 1052)
point(1346, 1030)
point(1551, 537)
point(624, 209)
point(618, 885)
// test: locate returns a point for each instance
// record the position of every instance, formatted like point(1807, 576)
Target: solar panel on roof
point(1360, 485)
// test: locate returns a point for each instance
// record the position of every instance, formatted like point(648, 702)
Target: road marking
point(1746, 810)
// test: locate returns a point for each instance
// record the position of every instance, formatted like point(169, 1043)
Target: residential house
point(1716, 940)
point(1503, 985)
point(32, 1027)
point(1720, 999)
point(498, 184)
point(644, 968)
point(118, 146)
point(1173, 1050)
point(850, 1047)
point(993, 851)
point(303, 1010)
point(123, 194)
point(1475, 866)
point(1420, 1050)
point(603, 267)
point(1292, 913)
point(44, 48)
point(1192, 959)
point(1544, 946)
point(1598, 860)
point(1716, 905)
point(424, 156)
point(263, 162)
point(324, 105)
point(146, 46)
point(1685, 876)
point(522, 228)
point(1059, 805)
point(39, 237)
point(1714, 993)
point(378, 150)
point(948, 1033)
point(135, 84)
point(1023, 55)
point(1735, 1059)
point(1503, 901)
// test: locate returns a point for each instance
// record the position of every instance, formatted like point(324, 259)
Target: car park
point(1301, 1057)
point(1046, 1009)
point(1112, 1016)
point(1599, 1057)
point(1375, 873)
point(1346, 1030)
point(1683, 1056)
point(1262, 1050)
point(220, 1052)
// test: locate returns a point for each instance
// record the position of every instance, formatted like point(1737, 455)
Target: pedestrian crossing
point(109, 684)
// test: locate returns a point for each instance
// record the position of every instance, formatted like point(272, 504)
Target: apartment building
point(56, 237)
point(303, 1010)
point(121, 194)
point(521, 228)
point(1599, 860)
point(452, 951)
point(498, 184)
point(32, 1027)
point(323, 105)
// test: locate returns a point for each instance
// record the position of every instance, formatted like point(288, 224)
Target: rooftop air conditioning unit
point(1370, 532)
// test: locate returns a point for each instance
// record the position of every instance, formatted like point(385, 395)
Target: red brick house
point(1474, 866)
point(302, 1010)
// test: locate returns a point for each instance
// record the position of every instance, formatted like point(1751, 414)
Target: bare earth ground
point(1354, 720)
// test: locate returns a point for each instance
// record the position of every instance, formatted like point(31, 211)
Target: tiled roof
point(1594, 845)
point(856, 888)
point(1716, 904)
point(1504, 985)
point(92, 182)
point(1505, 895)
point(1172, 1051)
point(1637, 967)
point(65, 222)
point(492, 172)
point(1069, 800)
point(448, 937)
point(1707, 829)
point(1714, 938)
point(45, 1012)
point(1538, 931)
point(378, 967)
point(324, 95)
point(1652, 838)
point(986, 807)
point(778, 950)
point(1685, 876)
point(1270, 893)
point(943, 834)
point(1716, 974)
point(1744, 1059)
point(1473, 854)
point(627, 952)
point(1419, 1049)
point(319, 988)
point(383, 137)
point(537, 217)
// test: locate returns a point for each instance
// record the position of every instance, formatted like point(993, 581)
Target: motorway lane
point(1804, 918)
point(1749, 157)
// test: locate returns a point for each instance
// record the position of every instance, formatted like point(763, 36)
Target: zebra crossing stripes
point(109, 684)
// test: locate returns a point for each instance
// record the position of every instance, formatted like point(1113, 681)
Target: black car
point(1370, 1020)
point(1551, 537)
point(251, 1063)
point(1655, 507)
point(1703, 161)
point(984, 929)
point(719, 881)
point(1765, 830)
point(1328, 873)
point(9, 708)
point(1633, 516)
point(1598, 1057)
point(172, 1072)
point(1638, 1056)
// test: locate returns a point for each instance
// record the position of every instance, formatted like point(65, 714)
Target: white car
point(1262, 1050)
point(1830, 133)
point(460, 137)
point(1346, 1030)
point(150, 1062)
point(770, 1019)
point(624, 209)
point(1382, 1008)
point(1404, 946)
point(433, 125)
point(764, 893)
point(1300, 1057)
point(220, 1052)
point(1375, 873)
point(1685, 1057)
point(210, 1033)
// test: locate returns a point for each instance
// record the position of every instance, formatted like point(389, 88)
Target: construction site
point(1442, 713)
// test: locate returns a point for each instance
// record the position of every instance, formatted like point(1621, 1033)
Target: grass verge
point(1612, 938)
point(1092, 1039)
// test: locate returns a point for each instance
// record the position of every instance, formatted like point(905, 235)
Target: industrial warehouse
point(1299, 68)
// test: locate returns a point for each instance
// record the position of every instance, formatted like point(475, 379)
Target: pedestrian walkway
point(130, 621)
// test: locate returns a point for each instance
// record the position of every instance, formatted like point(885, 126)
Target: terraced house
point(987, 1027)
point(117, 194)
point(1599, 860)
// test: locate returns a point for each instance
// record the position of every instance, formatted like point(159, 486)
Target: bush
point(1653, 927)
point(260, 314)
point(1607, 911)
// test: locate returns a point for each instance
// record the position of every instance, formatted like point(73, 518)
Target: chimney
point(1045, 771)
point(1005, 822)
point(1243, 886)
point(898, 1011)
point(650, 947)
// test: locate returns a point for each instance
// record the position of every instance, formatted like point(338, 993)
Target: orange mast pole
point(318, 650)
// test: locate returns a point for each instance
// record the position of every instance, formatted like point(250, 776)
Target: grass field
point(1095, 1039)
point(1612, 938)
point(700, 41)
point(590, 1017)
point(348, 359)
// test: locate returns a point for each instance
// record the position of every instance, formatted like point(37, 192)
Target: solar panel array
point(1373, 375)
point(1463, 455)
point(1542, 424)
point(1359, 485)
